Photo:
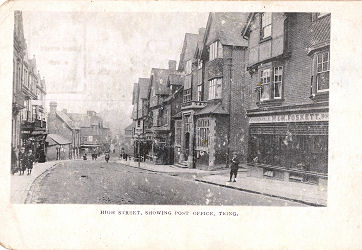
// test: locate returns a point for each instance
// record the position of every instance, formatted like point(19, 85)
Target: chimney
point(172, 65)
point(53, 107)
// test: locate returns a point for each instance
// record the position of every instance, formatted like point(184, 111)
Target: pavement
point(21, 184)
point(309, 194)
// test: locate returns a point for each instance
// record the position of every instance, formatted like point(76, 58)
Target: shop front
point(292, 145)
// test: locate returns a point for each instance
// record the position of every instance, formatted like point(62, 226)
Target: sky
point(91, 60)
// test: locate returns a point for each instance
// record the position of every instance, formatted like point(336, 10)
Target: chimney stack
point(53, 107)
point(172, 65)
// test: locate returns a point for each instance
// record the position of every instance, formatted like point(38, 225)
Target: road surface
point(96, 182)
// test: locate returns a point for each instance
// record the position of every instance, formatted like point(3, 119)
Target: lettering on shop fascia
point(308, 117)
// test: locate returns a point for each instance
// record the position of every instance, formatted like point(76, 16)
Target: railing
point(193, 105)
point(34, 125)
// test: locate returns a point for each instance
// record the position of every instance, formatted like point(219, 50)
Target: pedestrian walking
point(21, 162)
point(234, 166)
point(106, 157)
point(29, 161)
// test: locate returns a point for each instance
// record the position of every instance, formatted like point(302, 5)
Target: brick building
point(94, 134)
point(28, 119)
point(142, 142)
point(156, 131)
point(287, 86)
point(213, 112)
point(62, 126)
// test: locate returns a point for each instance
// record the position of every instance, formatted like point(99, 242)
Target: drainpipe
point(229, 106)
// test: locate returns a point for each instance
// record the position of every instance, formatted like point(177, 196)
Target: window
point(215, 50)
point(266, 21)
point(202, 133)
point(264, 93)
point(215, 88)
point(34, 115)
point(187, 95)
point(277, 84)
point(188, 67)
point(322, 76)
point(138, 123)
point(199, 93)
point(90, 138)
point(187, 123)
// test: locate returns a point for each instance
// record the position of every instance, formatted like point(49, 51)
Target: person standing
point(29, 161)
point(234, 166)
point(21, 162)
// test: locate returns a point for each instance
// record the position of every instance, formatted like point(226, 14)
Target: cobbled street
point(96, 182)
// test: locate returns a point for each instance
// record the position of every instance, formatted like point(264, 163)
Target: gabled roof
point(175, 79)
point(226, 27)
point(213, 109)
point(54, 139)
point(143, 84)
point(200, 44)
point(159, 81)
point(188, 49)
point(67, 120)
point(135, 93)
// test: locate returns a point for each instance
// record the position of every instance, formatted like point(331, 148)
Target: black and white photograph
point(180, 124)
point(219, 108)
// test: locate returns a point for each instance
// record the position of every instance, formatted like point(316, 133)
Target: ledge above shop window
point(271, 102)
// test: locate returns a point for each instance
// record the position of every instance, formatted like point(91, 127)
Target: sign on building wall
point(307, 117)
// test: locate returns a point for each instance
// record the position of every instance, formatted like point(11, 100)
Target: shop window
point(215, 88)
point(215, 50)
point(202, 133)
point(266, 24)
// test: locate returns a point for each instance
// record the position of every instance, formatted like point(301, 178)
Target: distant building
point(58, 147)
point(94, 134)
point(60, 124)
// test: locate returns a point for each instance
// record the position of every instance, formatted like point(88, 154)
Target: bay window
point(266, 22)
point(215, 88)
point(322, 75)
point(215, 50)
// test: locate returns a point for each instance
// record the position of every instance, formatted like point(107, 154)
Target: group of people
point(23, 161)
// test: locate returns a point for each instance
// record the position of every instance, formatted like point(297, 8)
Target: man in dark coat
point(234, 166)
point(29, 161)
point(21, 161)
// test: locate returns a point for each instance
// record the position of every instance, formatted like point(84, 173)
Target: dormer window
point(215, 50)
point(266, 23)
